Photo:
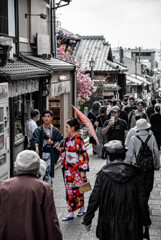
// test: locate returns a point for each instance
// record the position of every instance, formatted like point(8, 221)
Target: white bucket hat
point(142, 124)
point(27, 161)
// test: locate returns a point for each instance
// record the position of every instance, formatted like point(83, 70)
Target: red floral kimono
point(74, 160)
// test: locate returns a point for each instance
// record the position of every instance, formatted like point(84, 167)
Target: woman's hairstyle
point(73, 122)
point(47, 112)
point(95, 108)
point(138, 116)
point(120, 156)
point(157, 108)
point(103, 110)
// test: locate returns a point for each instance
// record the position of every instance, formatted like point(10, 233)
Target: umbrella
point(87, 122)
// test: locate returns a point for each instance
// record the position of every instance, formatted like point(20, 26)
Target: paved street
point(74, 229)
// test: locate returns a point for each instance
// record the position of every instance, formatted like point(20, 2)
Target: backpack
point(144, 159)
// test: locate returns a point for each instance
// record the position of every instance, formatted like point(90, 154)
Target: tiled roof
point(20, 70)
point(97, 48)
point(92, 47)
point(53, 63)
point(69, 34)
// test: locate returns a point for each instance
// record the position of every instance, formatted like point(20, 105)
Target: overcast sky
point(126, 23)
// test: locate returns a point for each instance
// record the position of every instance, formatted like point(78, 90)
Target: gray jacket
point(134, 147)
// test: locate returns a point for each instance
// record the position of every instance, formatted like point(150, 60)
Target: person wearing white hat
point(142, 129)
point(27, 208)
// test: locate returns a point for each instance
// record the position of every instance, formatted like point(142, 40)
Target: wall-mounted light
point(58, 5)
point(43, 16)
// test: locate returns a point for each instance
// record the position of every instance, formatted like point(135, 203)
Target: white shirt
point(30, 128)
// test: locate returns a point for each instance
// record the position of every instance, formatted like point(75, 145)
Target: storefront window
point(18, 107)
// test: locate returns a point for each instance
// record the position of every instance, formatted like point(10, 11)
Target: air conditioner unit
point(9, 42)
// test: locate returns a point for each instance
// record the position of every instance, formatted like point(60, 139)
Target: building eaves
point(19, 70)
point(53, 63)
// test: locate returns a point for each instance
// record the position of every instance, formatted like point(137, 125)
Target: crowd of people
point(116, 119)
point(126, 130)
point(133, 128)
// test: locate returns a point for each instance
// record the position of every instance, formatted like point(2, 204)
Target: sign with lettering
point(43, 44)
point(62, 77)
point(59, 88)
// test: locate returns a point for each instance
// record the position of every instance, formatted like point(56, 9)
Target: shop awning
point(19, 70)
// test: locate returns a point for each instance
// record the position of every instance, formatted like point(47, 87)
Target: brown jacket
point(27, 210)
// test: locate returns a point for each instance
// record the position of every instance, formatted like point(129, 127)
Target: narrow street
point(73, 229)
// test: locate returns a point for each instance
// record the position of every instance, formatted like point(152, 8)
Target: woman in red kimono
point(75, 164)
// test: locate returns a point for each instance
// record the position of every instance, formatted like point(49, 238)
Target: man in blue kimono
point(44, 138)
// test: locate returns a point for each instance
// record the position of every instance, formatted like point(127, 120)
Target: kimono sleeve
point(36, 136)
point(83, 157)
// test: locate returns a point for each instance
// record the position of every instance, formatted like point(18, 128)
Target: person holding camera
point(115, 128)
point(44, 139)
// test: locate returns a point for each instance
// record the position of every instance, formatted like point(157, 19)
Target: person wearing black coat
point(155, 121)
point(121, 199)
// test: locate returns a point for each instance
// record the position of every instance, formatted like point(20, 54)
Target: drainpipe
point(53, 30)
point(17, 28)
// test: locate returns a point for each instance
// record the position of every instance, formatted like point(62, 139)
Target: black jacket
point(119, 194)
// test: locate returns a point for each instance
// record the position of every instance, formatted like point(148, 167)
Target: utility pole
point(139, 53)
point(160, 50)
point(135, 67)
point(54, 7)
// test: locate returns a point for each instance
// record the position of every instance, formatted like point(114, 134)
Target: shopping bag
point(85, 187)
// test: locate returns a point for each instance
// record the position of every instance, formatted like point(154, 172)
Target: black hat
point(115, 147)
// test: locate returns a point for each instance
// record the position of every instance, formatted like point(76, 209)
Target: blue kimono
point(38, 137)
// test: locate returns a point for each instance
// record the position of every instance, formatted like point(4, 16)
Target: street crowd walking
point(122, 189)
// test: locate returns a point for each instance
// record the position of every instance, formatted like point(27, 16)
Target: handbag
point(85, 187)
point(146, 234)
point(104, 137)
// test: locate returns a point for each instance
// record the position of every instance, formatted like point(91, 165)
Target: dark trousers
point(148, 178)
